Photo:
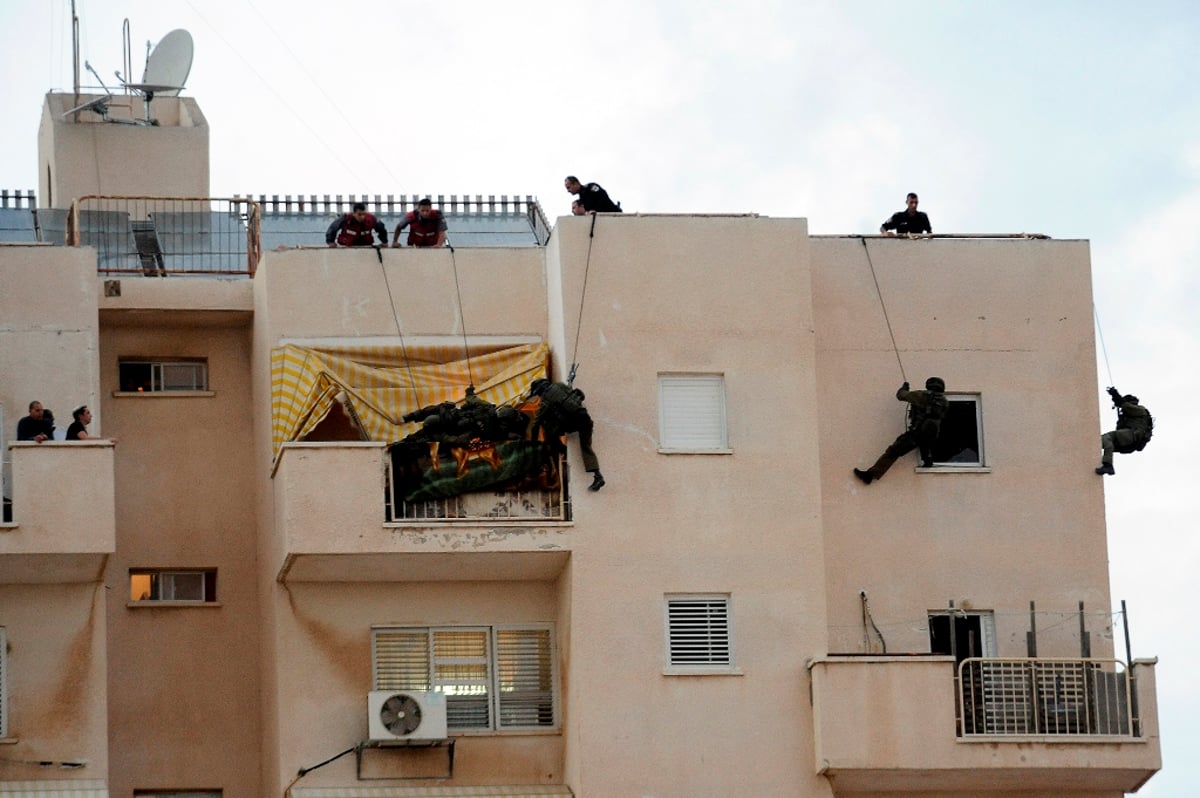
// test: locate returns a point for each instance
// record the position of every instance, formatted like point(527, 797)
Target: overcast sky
point(1074, 119)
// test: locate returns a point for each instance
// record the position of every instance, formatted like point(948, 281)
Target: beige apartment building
point(252, 593)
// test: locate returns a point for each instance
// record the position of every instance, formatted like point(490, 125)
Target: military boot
point(865, 476)
point(597, 482)
point(1106, 468)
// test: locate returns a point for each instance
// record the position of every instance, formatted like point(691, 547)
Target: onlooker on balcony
point(78, 429)
point(560, 412)
point(593, 198)
point(426, 226)
point(355, 229)
point(907, 222)
point(37, 426)
point(1135, 425)
point(926, 410)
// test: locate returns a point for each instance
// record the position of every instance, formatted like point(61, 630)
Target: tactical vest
point(355, 233)
point(423, 232)
point(926, 419)
point(1138, 420)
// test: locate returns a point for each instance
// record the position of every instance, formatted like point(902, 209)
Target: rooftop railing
point(1034, 697)
point(160, 236)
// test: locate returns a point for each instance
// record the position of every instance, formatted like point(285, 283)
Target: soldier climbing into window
point(926, 410)
point(561, 411)
point(1135, 426)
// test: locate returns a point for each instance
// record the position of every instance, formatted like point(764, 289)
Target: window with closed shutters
point(698, 633)
point(494, 678)
point(691, 413)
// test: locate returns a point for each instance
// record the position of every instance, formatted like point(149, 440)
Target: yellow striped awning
point(520, 791)
point(63, 788)
point(379, 384)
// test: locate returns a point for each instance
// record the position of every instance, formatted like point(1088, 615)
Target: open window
point(155, 376)
point(960, 442)
point(177, 586)
point(962, 634)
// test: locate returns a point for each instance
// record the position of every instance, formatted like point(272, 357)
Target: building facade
point(213, 605)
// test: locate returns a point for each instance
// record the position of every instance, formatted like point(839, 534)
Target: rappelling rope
point(895, 348)
point(403, 348)
point(1103, 349)
point(461, 315)
point(582, 295)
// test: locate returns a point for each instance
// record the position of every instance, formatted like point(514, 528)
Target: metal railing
point(160, 236)
point(541, 505)
point(18, 199)
point(392, 205)
point(1028, 697)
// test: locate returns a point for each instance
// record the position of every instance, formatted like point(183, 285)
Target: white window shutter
point(525, 678)
point(698, 631)
point(692, 411)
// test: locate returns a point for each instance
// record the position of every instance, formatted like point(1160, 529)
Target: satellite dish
point(167, 68)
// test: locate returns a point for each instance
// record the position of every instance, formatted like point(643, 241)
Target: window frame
point(671, 388)
point(672, 631)
point(158, 381)
point(422, 674)
point(208, 587)
point(980, 463)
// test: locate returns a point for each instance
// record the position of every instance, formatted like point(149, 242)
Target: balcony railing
point(543, 505)
point(1030, 697)
point(158, 236)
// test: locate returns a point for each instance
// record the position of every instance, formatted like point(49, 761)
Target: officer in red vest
point(355, 229)
point(426, 226)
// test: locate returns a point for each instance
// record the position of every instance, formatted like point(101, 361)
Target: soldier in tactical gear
point(561, 411)
point(1135, 426)
point(926, 410)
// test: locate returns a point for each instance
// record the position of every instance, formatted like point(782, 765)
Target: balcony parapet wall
point(64, 512)
point(887, 724)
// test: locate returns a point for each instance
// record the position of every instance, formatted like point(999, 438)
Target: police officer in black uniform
point(593, 198)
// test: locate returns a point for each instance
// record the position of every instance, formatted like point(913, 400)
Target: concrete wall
point(723, 295)
point(185, 677)
point(88, 156)
point(1012, 321)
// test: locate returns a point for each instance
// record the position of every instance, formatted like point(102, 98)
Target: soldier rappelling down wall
point(926, 410)
point(561, 411)
point(1135, 426)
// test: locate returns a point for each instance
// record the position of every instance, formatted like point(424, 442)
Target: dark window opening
point(959, 441)
point(966, 640)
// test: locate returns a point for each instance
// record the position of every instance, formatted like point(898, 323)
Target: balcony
point(332, 511)
point(63, 513)
point(894, 724)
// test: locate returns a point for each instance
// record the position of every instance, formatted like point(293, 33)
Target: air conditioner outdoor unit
point(406, 715)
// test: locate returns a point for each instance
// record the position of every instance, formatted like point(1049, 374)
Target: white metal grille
point(1044, 696)
point(698, 631)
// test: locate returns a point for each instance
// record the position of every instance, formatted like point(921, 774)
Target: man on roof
point(356, 229)
point(907, 222)
point(593, 198)
point(426, 226)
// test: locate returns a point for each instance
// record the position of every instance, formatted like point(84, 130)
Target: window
point(193, 587)
point(960, 442)
point(494, 677)
point(691, 413)
point(3, 684)
point(698, 637)
point(962, 634)
point(154, 376)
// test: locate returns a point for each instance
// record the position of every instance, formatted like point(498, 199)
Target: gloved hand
point(904, 387)
point(1115, 394)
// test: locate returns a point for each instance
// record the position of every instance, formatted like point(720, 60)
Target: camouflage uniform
point(1135, 425)
point(926, 410)
point(561, 411)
